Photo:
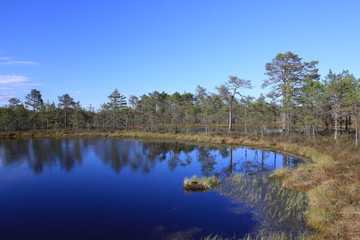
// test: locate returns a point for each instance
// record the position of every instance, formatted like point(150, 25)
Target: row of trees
point(298, 100)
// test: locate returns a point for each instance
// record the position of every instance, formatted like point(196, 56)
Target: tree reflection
point(41, 153)
point(70, 153)
point(274, 207)
point(253, 161)
point(207, 160)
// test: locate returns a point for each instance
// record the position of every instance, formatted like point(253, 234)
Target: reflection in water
point(275, 208)
point(106, 202)
point(138, 156)
point(40, 153)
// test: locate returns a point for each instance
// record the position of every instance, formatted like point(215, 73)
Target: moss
point(200, 184)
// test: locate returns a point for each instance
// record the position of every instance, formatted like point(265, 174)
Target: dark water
point(120, 189)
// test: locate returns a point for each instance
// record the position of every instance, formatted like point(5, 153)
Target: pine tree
point(228, 92)
point(116, 104)
point(66, 103)
point(285, 74)
point(34, 100)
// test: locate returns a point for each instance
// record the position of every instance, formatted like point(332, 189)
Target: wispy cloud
point(29, 84)
point(13, 79)
point(28, 63)
point(14, 86)
point(5, 96)
point(6, 58)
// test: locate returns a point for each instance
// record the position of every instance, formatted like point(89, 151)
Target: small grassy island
point(200, 184)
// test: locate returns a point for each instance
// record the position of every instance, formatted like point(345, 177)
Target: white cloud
point(13, 79)
point(5, 96)
point(6, 58)
point(28, 84)
point(19, 63)
point(14, 86)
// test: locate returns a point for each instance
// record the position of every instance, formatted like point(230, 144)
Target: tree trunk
point(230, 117)
point(336, 125)
point(65, 119)
point(356, 132)
point(313, 132)
point(356, 126)
point(283, 120)
point(245, 120)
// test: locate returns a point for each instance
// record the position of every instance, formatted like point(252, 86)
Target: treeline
point(298, 100)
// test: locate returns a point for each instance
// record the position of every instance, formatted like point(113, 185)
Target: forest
point(297, 100)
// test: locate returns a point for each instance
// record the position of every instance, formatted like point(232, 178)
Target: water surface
point(110, 188)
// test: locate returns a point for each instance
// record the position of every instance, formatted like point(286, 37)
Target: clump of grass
point(217, 237)
point(200, 184)
point(306, 178)
point(335, 209)
point(271, 236)
point(280, 174)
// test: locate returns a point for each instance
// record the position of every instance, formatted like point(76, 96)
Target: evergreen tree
point(285, 74)
point(34, 100)
point(229, 90)
point(336, 87)
point(66, 103)
point(116, 104)
point(14, 101)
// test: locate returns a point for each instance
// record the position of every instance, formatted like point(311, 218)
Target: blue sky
point(89, 48)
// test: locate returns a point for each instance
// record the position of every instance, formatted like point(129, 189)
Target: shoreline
point(313, 178)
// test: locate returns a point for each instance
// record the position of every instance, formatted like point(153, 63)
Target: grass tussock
point(200, 184)
point(281, 174)
point(272, 236)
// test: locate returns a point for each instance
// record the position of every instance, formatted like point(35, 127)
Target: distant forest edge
point(298, 100)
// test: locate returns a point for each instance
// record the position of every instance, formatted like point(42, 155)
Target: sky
point(89, 48)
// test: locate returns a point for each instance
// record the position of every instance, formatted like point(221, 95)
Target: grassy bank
point(331, 181)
